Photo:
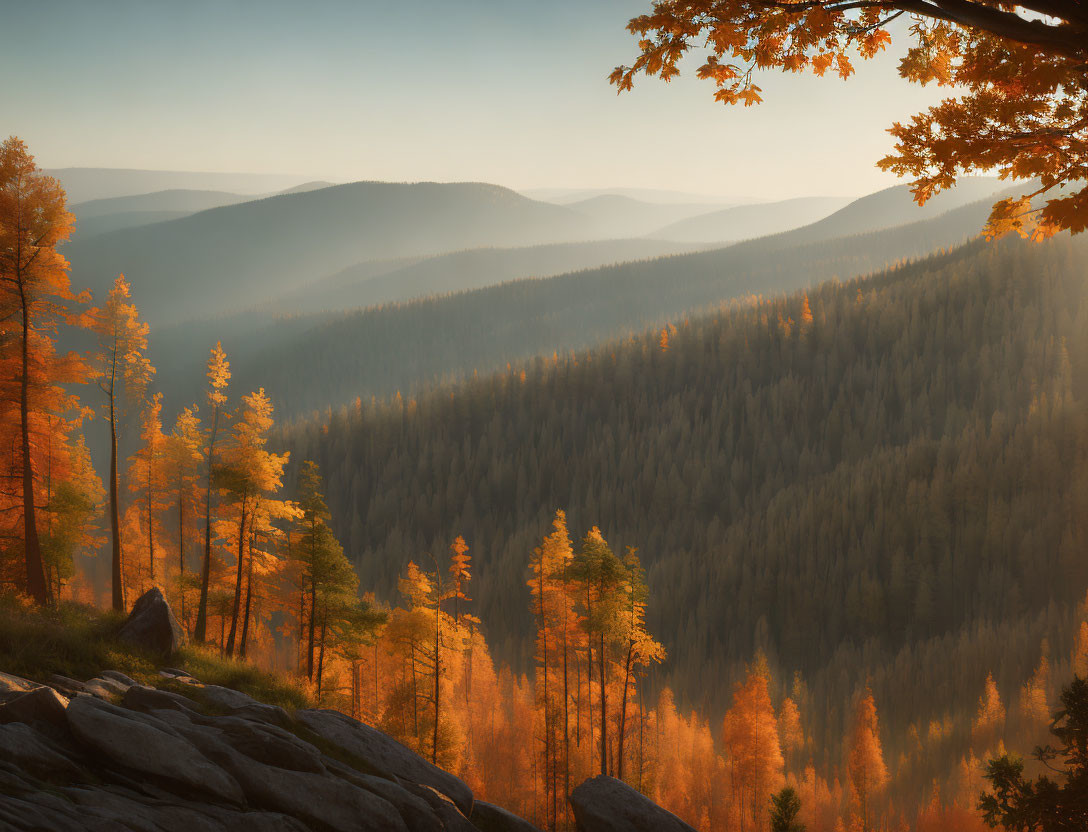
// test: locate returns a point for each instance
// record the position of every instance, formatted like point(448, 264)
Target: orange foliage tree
point(1021, 71)
point(34, 289)
point(218, 378)
point(123, 376)
point(750, 734)
point(865, 760)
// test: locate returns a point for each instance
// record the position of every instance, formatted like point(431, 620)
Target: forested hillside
point(882, 478)
point(312, 365)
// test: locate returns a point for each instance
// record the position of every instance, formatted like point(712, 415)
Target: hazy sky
point(505, 91)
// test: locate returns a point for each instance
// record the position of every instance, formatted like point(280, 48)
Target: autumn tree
point(1050, 802)
point(71, 512)
point(639, 649)
point(218, 378)
point(990, 719)
point(599, 574)
point(147, 477)
point(33, 289)
point(124, 373)
point(1034, 704)
point(184, 451)
point(1021, 71)
point(248, 474)
point(865, 759)
point(750, 735)
point(1080, 652)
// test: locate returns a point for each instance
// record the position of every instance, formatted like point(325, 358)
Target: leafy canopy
point(1020, 71)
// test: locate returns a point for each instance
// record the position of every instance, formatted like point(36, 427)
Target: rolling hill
point(379, 282)
point(879, 480)
point(233, 256)
point(86, 184)
point(99, 216)
point(744, 222)
point(616, 216)
point(327, 361)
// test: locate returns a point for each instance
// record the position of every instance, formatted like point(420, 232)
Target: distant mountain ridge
point(235, 255)
point(745, 222)
point(85, 184)
point(327, 360)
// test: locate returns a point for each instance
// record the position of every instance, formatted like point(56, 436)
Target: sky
point(512, 92)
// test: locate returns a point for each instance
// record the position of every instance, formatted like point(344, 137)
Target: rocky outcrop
point(151, 625)
point(116, 754)
point(388, 757)
point(605, 804)
point(120, 755)
point(489, 818)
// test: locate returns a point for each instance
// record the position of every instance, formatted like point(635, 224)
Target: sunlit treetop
point(1020, 73)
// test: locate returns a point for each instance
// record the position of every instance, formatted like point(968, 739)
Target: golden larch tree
point(218, 378)
point(123, 374)
point(865, 759)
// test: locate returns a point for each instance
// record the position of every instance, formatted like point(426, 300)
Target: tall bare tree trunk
point(200, 629)
point(116, 562)
point(238, 580)
point(623, 710)
point(249, 602)
point(36, 585)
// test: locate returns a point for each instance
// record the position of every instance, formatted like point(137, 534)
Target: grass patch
point(273, 689)
point(80, 641)
point(73, 640)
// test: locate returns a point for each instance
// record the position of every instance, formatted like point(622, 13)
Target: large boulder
point(12, 686)
point(151, 624)
point(149, 746)
point(490, 818)
point(385, 755)
point(38, 705)
point(605, 804)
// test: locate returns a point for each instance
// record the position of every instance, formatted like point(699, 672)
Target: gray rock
point(45, 812)
point(317, 799)
point(127, 809)
point(11, 686)
point(415, 811)
point(36, 755)
point(241, 704)
point(447, 811)
point(117, 676)
point(39, 705)
point(66, 685)
point(490, 818)
point(146, 699)
point(384, 754)
point(174, 671)
point(148, 745)
point(151, 624)
point(605, 804)
point(104, 688)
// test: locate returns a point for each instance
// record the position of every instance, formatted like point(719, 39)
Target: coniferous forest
point(442, 505)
